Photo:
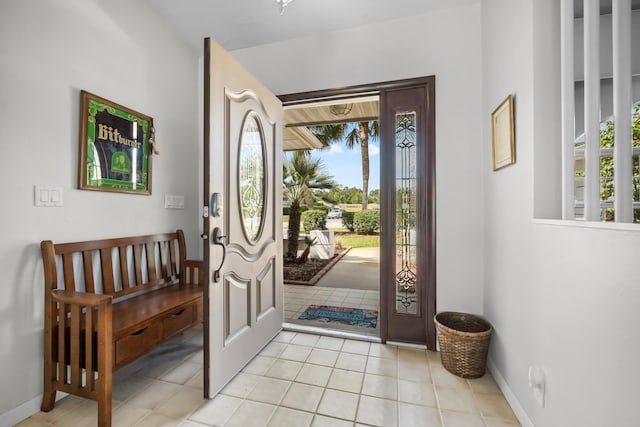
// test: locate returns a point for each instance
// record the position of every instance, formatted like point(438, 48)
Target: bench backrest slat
point(141, 263)
point(163, 259)
point(151, 262)
point(124, 268)
point(137, 262)
point(172, 260)
point(87, 260)
point(108, 285)
point(67, 266)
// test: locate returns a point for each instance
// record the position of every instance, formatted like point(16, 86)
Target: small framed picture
point(503, 135)
point(115, 147)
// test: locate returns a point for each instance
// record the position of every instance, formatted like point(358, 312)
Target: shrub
point(311, 220)
point(367, 221)
point(347, 220)
point(321, 207)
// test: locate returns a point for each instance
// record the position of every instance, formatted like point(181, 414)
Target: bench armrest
point(193, 272)
point(83, 344)
point(81, 298)
point(194, 263)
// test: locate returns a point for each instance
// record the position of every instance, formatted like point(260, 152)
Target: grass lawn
point(340, 231)
point(346, 238)
point(352, 240)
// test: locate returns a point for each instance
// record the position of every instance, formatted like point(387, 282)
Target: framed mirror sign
point(116, 144)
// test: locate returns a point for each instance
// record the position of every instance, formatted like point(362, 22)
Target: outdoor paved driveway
point(358, 269)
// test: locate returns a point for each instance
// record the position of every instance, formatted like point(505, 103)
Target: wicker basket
point(464, 343)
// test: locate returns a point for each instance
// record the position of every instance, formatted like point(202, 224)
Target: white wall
point(445, 44)
point(559, 295)
point(49, 50)
point(508, 69)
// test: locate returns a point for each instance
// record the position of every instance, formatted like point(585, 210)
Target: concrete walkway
point(358, 269)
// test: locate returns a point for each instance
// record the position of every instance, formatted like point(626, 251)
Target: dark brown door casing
point(407, 276)
point(416, 94)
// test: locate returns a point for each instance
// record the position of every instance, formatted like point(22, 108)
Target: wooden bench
point(108, 302)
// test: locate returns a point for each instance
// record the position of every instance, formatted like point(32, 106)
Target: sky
point(346, 165)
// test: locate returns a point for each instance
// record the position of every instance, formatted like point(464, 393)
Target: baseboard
point(24, 411)
point(520, 413)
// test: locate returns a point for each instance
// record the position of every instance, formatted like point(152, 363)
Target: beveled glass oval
point(251, 176)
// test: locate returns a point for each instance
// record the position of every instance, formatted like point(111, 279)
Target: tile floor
point(297, 380)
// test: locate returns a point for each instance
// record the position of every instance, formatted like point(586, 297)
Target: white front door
point(243, 145)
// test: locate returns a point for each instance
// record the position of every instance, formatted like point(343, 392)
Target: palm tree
point(353, 135)
point(302, 175)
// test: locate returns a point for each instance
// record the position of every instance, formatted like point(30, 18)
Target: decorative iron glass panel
point(406, 185)
point(251, 177)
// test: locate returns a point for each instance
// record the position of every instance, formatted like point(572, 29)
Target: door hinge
point(205, 211)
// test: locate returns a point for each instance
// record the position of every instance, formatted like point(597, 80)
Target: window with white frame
point(600, 111)
point(607, 168)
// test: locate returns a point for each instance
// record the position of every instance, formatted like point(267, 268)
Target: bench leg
point(49, 367)
point(105, 366)
point(49, 393)
point(48, 397)
point(104, 409)
point(104, 398)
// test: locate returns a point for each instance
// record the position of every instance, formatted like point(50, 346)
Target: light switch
point(172, 201)
point(46, 195)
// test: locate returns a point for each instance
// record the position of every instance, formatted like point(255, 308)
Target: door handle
point(218, 239)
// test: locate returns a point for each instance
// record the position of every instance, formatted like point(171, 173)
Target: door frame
point(206, 177)
point(427, 192)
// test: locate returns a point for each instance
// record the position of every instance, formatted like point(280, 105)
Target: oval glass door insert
point(251, 177)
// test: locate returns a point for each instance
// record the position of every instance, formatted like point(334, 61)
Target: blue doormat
point(341, 315)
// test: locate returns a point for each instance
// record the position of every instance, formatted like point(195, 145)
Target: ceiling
point(237, 24)
point(322, 113)
point(296, 119)
point(299, 138)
